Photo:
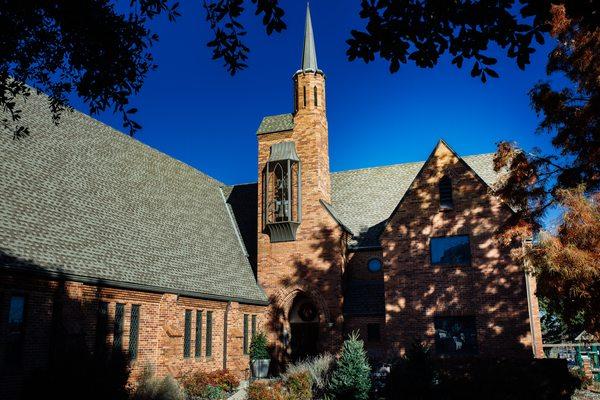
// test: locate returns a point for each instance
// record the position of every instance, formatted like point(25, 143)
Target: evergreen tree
point(351, 379)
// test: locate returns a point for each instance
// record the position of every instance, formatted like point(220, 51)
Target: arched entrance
point(304, 328)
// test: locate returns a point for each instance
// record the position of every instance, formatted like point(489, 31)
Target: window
point(118, 327)
point(253, 326)
point(316, 98)
point(198, 344)
point(455, 335)
point(373, 332)
point(445, 188)
point(454, 250)
point(134, 331)
point(374, 265)
point(209, 333)
point(245, 333)
point(187, 333)
point(15, 329)
point(101, 327)
point(304, 96)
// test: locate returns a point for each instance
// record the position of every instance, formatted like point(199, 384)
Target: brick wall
point(161, 327)
point(492, 288)
point(312, 264)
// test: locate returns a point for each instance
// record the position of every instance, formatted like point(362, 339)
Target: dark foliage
point(418, 31)
point(419, 376)
point(99, 52)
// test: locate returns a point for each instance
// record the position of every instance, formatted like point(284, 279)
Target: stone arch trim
point(284, 298)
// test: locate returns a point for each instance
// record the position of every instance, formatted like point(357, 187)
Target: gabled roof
point(86, 202)
point(364, 199)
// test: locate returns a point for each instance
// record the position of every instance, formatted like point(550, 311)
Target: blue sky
point(193, 110)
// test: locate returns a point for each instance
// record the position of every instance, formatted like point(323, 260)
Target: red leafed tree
point(567, 263)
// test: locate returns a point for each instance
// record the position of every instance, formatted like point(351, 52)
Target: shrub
point(150, 387)
point(319, 369)
point(198, 383)
point(259, 347)
point(260, 390)
point(299, 386)
point(213, 393)
point(351, 378)
point(414, 375)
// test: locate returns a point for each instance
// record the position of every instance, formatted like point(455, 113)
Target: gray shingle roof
point(83, 200)
point(276, 123)
point(365, 198)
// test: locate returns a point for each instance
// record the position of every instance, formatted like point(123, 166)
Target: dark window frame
point(465, 264)
point(253, 327)
point(209, 315)
point(445, 192)
point(316, 97)
point(134, 331)
point(102, 319)
point(473, 348)
point(245, 338)
point(15, 343)
point(119, 326)
point(198, 339)
point(187, 334)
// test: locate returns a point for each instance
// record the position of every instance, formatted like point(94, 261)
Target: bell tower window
point(316, 98)
point(282, 193)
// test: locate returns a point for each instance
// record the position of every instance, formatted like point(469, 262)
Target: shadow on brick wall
point(61, 354)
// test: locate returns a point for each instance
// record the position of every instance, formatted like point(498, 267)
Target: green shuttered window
point(187, 333)
point(198, 344)
point(134, 331)
point(118, 327)
point(209, 315)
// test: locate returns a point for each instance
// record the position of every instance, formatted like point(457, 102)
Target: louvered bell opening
point(282, 193)
point(445, 188)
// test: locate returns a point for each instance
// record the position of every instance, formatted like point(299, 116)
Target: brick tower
point(299, 243)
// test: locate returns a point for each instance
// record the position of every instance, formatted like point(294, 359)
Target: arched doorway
point(304, 328)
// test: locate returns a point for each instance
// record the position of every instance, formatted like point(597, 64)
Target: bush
point(150, 387)
point(413, 376)
point(351, 378)
point(319, 370)
point(261, 390)
point(259, 347)
point(479, 378)
point(299, 386)
point(202, 384)
point(213, 393)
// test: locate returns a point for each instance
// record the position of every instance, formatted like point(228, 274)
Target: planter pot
point(260, 368)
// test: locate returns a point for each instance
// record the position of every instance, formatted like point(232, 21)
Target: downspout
point(225, 322)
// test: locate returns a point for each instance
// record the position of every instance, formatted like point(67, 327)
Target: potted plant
point(259, 356)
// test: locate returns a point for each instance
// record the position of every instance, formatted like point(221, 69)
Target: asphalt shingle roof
point(276, 123)
point(86, 201)
point(365, 198)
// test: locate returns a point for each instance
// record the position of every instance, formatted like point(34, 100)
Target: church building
point(110, 244)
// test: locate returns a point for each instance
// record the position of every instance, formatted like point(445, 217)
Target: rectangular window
point(134, 331)
point(450, 250)
point(101, 327)
point(245, 334)
point(253, 327)
point(118, 327)
point(455, 335)
point(198, 343)
point(187, 333)
point(15, 330)
point(373, 333)
point(209, 333)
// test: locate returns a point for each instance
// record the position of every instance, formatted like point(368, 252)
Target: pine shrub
point(351, 378)
point(259, 347)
